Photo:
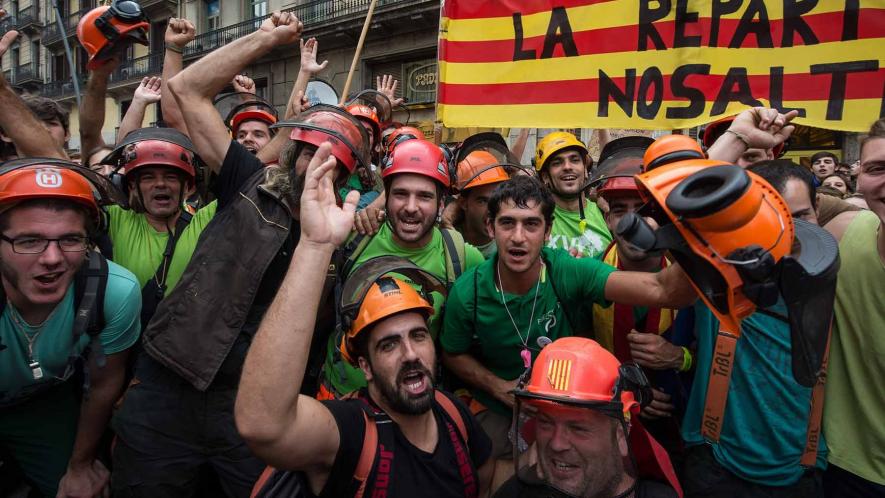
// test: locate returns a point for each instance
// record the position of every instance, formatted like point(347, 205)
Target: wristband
point(740, 137)
point(686, 360)
point(174, 49)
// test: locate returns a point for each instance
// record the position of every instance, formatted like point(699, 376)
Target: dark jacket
point(196, 326)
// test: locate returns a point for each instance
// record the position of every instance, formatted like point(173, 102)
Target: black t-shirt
point(238, 168)
point(517, 488)
point(414, 473)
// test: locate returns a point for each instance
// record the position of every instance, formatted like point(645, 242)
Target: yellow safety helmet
point(552, 144)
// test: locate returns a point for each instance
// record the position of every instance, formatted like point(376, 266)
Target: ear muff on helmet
point(708, 191)
point(107, 30)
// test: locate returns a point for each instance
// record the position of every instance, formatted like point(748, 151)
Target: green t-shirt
point(566, 231)
point(139, 247)
point(345, 378)
point(855, 398)
point(53, 342)
point(480, 324)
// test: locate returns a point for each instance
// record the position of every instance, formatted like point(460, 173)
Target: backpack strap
point(352, 250)
point(456, 253)
point(367, 455)
point(452, 411)
point(90, 284)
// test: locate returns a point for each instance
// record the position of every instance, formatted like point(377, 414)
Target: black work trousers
point(168, 433)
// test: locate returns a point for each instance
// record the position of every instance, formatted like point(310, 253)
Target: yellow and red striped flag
point(659, 64)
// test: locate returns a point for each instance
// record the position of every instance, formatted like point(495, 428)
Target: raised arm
point(30, 137)
point(758, 128)
point(195, 87)
point(179, 32)
point(92, 109)
point(147, 93)
point(282, 427)
point(296, 103)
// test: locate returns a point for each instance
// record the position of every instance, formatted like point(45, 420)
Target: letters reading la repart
point(643, 93)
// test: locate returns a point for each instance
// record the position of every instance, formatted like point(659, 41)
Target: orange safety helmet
point(577, 371)
point(400, 135)
point(50, 181)
point(367, 115)
point(480, 168)
point(323, 123)
point(729, 222)
point(106, 30)
point(421, 157)
point(670, 149)
point(386, 297)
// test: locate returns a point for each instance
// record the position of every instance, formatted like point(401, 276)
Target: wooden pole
point(359, 50)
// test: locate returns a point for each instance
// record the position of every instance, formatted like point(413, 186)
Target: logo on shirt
point(48, 178)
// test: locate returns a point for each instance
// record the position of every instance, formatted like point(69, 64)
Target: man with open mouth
point(51, 420)
point(157, 235)
point(577, 434)
point(415, 182)
point(427, 443)
point(562, 162)
point(499, 315)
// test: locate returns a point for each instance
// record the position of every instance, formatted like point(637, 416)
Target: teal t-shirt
point(766, 414)
point(345, 378)
point(479, 323)
point(53, 341)
point(139, 247)
point(566, 231)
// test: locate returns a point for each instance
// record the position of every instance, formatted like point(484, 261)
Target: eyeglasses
point(35, 245)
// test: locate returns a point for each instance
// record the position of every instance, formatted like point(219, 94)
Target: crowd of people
point(323, 302)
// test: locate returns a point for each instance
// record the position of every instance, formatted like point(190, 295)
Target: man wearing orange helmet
point(59, 377)
point(426, 441)
point(364, 180)
point(576, 435)
point(478, 175)
point(498, 311)
point(415, 182)
point(562, 162)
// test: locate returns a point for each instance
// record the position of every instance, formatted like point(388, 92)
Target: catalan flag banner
point(659, 64)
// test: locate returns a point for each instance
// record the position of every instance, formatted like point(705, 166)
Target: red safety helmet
point(106, 30)
point(49, 181)
point(324, 123)
point(147, 153)
point(420, 157)
point(368, 115)
point(251, 115)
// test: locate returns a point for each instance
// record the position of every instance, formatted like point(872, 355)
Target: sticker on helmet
point(48, 178)
point(558, 374)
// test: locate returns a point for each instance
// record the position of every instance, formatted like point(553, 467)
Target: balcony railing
point(61, 89)
point(311, 13)
point(28, 16)
point(26, 73)
point(52, 35)
point(138, 68)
